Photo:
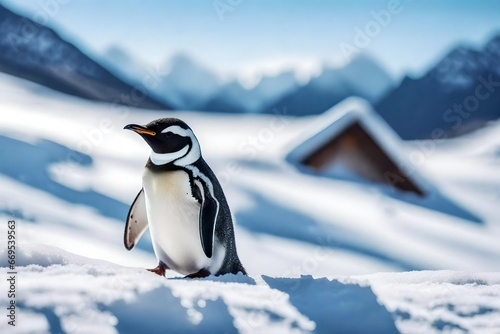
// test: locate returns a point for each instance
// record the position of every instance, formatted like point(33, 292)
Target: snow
point(441, 301)
point(322, 253)
point(66, 292)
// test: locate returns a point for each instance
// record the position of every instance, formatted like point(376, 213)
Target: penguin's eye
point(168, 134)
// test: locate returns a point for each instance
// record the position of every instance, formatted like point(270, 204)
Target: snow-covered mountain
point(186, 83)
point(361, 77)
point(234, 98)
point(123, 64)
point(189, 85)
point(180, 80)
point(37, 53)
point(460, 94)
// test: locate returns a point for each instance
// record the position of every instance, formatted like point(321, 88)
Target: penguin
point(183, 204)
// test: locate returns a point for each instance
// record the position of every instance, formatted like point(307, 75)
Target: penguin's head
point(171, 140)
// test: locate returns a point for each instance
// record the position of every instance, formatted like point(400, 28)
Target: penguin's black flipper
point(137, 221)
point(208, 217)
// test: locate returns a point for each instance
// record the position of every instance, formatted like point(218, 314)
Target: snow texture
point(63, 292)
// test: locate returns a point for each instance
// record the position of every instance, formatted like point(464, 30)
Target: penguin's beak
point(139, 129)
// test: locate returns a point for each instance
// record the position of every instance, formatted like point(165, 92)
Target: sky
point(242, 36)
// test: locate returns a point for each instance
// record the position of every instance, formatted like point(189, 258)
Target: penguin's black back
point(224, 229)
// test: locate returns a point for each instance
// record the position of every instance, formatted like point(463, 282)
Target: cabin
point(351, 141)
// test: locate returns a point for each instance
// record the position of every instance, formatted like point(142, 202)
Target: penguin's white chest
point(173, 217)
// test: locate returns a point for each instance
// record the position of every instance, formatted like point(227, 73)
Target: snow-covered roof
point(340, 117)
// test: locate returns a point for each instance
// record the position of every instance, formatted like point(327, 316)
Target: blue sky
point(255, 34)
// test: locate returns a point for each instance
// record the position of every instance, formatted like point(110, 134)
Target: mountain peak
point(460, 67)
point(117, 52)
point(493, 46)
point(183, 62)
point(422, 107)
point(188, 83)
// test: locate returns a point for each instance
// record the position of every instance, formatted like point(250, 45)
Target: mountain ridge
point(209, 92)
point(37, 53)
point(457, 95)
point(333, 85)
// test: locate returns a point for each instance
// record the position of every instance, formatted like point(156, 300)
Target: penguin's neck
point(166, 158)
point(188, 155)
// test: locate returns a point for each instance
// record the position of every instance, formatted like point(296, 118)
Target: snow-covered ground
point(63, 292)
point(69, 172)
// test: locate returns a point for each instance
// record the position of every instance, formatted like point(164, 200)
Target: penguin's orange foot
point(160, 269)
point(200, 274)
